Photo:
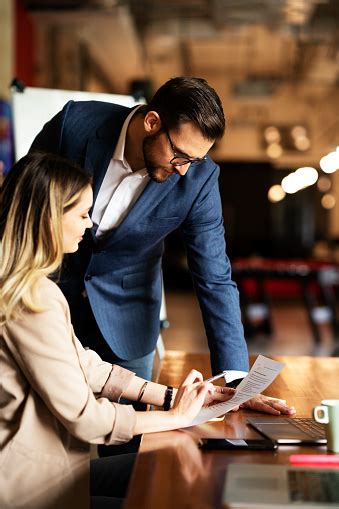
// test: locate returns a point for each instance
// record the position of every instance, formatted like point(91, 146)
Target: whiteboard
point(34, 106)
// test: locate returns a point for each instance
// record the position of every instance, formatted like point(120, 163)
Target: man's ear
point(152, 122)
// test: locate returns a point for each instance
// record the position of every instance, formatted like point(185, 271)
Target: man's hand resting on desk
point(268, 405)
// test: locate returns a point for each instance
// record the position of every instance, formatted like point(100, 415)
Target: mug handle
point(324, 411)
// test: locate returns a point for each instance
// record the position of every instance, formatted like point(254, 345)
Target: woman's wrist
point(150, 393)
point(151, 422)
point(175, 391)
point(179, 420)
point(168, 397)
point(145, 391)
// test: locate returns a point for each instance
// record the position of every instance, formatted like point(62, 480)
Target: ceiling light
point(289, 184)
point(330, 162)
point(301, 178)
point(276, 193)
point(324, 184)
point(302, 143)
point(298, 131)
point(306, 176)
point(272, 134)
point(328, 201)
point(274, 150)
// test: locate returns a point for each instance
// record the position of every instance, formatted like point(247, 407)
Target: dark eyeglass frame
point(186, 160)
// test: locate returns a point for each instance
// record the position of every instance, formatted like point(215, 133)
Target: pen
point(325, 460)
point(216, 377)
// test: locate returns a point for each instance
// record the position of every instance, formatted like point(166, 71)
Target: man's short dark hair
point(185, 99)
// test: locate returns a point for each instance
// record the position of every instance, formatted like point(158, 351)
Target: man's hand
point(269, 405)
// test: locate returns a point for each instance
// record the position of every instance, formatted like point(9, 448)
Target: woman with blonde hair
point(56, 397)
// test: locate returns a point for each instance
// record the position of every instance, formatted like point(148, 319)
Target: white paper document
point(262, 374)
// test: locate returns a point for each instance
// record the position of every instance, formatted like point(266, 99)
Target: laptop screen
point(271, 486)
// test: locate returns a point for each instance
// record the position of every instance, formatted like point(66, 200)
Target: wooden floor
point(291, 331)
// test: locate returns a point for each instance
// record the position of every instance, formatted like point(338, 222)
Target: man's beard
point(156, 173)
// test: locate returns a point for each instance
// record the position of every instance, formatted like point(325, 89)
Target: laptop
point(280, 486)
point(289, 431)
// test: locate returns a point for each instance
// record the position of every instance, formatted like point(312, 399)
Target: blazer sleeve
point(45, 350)
point(105, 379)
point(209, 265)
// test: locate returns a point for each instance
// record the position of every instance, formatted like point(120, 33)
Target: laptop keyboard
point(312, 428)
point(316, 487)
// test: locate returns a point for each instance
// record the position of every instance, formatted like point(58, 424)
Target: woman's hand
point(217, 394)
point(190, 397)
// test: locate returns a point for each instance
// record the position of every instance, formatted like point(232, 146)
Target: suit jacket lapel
point(101, 146)
point(147, 201)
point(98, 155)
point(100, 149)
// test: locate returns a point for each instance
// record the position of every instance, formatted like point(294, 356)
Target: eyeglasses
point(180, 160)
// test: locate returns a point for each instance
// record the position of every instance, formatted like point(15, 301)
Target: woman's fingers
point(224, 394)
point(193, 376)
point(193, 396)
point(217, 393)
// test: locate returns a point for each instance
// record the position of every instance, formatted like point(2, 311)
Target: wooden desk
point(171, 472)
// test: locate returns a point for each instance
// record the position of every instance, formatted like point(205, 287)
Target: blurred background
point(275, 65)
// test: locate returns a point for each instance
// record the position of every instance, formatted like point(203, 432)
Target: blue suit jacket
point(122, 272)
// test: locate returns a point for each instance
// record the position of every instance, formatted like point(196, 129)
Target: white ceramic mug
point(328, 413)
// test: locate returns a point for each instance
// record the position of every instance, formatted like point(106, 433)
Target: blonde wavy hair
point(35, 194)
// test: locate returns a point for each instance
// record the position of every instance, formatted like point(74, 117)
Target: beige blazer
point(52, 405)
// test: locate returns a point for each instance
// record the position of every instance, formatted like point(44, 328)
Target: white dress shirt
point(120, 188)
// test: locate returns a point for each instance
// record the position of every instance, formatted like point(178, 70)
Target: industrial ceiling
point(272, 61)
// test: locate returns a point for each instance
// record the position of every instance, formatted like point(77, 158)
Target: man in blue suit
point(151, 175)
